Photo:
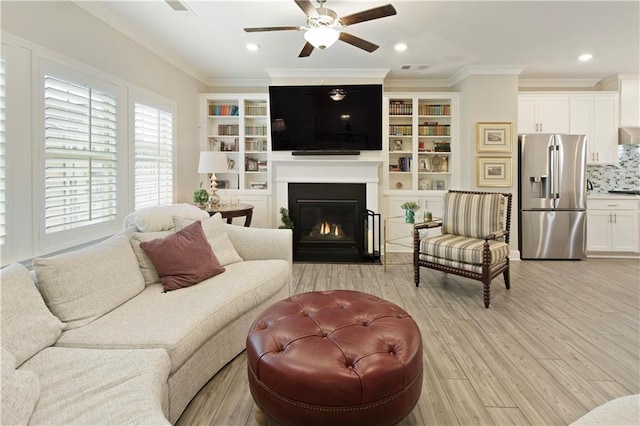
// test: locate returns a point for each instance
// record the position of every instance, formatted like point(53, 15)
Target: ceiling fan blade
point(368, 15)
point(306, 50)
point(307, 8)
point(261, 29)
point(358, 42)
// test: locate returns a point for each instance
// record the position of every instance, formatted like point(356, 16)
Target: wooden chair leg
point(507, 282)
point(416, 275)
point(487, 292)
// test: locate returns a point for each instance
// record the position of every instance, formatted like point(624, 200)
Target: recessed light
point(400, 47)
point(585, 57)
point(252, 47)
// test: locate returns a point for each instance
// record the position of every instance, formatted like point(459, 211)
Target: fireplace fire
point(327, 231)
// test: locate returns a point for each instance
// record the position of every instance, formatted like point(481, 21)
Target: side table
point(406, 240)
point(229, 211)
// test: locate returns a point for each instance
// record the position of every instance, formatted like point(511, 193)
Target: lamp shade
point(278, 125)
point(321, 37)
point(212, 162)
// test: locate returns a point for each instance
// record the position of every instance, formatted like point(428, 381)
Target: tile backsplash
point(624, 175)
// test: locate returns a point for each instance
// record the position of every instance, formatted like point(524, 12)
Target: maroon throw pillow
point(184, 258)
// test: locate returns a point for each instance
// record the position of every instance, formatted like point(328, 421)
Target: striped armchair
point(474, 242)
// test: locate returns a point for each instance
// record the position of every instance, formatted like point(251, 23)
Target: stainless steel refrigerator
point(552, 196)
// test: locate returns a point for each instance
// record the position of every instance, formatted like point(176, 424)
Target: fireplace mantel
point(326, 170)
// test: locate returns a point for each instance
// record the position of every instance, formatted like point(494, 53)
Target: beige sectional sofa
point(102, 343)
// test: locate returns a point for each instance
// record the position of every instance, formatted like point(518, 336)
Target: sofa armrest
point(262, 243)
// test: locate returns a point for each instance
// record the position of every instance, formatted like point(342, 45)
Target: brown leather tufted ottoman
point(334, 358)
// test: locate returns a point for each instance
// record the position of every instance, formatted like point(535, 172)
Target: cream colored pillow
point(28, 326)
point(149, 271)
point(83, 285)
point(216, 233)
point(155, 219)
point(20, 392)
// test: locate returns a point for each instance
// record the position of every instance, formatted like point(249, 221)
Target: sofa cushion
point(96, 387)
point(154, 219)
point(28, 326)
point(149, 271)
point(473, 215)
point(83, 285)
point(161, 319)
point(184, 258)
point(216, 233)
point(20, 390)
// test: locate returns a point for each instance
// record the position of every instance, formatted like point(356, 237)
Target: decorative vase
point(409, 216)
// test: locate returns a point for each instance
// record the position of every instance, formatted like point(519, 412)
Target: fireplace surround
point(328, 179)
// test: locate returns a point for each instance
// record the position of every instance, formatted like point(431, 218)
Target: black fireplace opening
point(330, 222)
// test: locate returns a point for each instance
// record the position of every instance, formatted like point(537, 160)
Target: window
point(153, 156)
point(3, 145)
point(80, 155)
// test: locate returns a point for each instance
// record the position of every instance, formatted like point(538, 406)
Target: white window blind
point(3, 155)
point(80, 155)
point(153, 156)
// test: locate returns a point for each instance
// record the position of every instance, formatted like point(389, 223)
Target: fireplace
point(331, 223)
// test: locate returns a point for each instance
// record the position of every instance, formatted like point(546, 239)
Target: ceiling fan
point(324, 26)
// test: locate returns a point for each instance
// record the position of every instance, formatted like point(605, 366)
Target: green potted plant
point(287, 223)
point(410, 208)
point(200, 195)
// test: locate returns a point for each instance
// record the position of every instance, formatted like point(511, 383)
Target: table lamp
point(212, 162)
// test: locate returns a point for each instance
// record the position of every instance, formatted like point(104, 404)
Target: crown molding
point(558, 82)
point(327, 76)
point(472, 70)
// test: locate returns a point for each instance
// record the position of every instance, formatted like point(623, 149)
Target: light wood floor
point(562, 341)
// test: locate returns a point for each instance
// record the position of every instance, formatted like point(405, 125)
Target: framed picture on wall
point(493, 171)
point(494, 137)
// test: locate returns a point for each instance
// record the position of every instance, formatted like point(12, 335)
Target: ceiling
point(543, 39)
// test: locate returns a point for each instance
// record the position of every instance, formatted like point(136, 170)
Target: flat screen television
point(326, 119)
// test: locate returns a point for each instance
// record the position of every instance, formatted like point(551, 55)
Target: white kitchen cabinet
point(612, 225)
point(630, 102)
point(596, 116)
point(543, 113)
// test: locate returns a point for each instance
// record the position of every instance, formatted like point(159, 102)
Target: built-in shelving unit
point(421, 133)
point(238, 125)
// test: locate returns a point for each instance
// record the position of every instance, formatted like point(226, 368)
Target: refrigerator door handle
point(553, 175)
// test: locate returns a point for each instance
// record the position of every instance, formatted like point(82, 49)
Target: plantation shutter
point(3, 156)
point(153, 156)
point(80, 155)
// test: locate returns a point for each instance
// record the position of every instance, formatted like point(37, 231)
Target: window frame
point(73, 237)
point(139, 96)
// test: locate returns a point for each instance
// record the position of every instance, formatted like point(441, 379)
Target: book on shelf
point(400, 108)
point(255, 109)
point(223, 109)
point(400, 129)
point(405, 164)
point(434, 129)
point(228, 130)
point(256, 145)
point(432, 109)
point(255, 130)
point(226, 146)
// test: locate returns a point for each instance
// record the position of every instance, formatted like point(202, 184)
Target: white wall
point(67, 29)
point(488, 98)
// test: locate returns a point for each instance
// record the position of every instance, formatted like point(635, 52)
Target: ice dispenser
point(538, 187)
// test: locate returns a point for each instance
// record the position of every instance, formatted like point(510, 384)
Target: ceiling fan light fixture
point(321, 37)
